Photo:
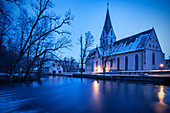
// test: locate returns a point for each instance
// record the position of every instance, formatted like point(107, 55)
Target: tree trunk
point(81, 67)
point(104, 71)
point(41, 66)
point(1, 46)
point(81, 41)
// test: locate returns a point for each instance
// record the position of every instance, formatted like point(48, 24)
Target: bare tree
point(85, 47)
point(69, 65)
point(107, 51)
point(5, 23)
point(43, 26)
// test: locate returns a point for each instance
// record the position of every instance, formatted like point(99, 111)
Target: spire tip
point(107, 4)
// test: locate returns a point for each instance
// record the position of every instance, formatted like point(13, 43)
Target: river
point(75, 95)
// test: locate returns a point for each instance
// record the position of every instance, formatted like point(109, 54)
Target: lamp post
point(161, 66)
point(96, 69)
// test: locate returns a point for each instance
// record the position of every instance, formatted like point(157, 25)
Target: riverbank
point(5, 78)
point(163, 79)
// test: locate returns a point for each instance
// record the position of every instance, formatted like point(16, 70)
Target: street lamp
point(96, 69)
point(161, 66)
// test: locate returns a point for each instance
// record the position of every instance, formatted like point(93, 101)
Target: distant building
point(167, 64)
point(141, 51)
point(52, 67)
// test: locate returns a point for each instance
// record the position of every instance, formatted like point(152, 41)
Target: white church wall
point(131, 61)
point(159, 58)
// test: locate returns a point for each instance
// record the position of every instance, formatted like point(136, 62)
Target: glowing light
point(96, 89)
point(95, 84)
point(161, 94)
point(98, 69)
point(161, 65)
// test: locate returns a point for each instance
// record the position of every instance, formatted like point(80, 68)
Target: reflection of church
point(141, 51)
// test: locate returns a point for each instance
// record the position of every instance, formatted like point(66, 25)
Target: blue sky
point(128, 18)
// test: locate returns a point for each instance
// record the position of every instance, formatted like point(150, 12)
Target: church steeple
point(108, 36)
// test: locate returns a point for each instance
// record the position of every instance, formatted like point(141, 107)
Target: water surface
point(76, 95)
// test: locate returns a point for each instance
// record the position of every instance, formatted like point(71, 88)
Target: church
point(141, 51)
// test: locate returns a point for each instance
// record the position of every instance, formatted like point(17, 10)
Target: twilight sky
point(128, 17)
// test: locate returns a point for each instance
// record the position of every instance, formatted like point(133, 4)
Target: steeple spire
point(108, 24)
point(107, 5)
point(107, 33)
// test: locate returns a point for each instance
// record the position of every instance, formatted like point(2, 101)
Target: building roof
point(133, 43)
point(129, 44)
point(49, 63)
point(92, 53)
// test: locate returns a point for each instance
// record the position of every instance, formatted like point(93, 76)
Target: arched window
point(136, 62)
point(118, 64)
point(96, 65)
point(153, 58)
point(103, 41)
point(111, 40)
point(126, 63)
point(111, 63)
point(111, 32)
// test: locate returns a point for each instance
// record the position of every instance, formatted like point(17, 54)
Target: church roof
point(136, 42)
point(129, 44)
point(108, 24)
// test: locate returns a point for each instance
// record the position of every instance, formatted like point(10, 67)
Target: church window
point(111, 40)
point(111, 63)
point(96, 65)
point(126, 63)
point(149, 45)
point(136, 62)
point(118, 64)
point(153, 46)
point(153, 58)
point(103, 41)
point(111, 32)
point(150, 38)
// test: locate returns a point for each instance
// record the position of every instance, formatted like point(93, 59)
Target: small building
point(52, 67)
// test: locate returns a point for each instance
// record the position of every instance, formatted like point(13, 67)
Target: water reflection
point(76, 95)
point(162, 106)
point(161, 95)
point(96, 90)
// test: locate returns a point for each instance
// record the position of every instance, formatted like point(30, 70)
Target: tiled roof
point(132, 43)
